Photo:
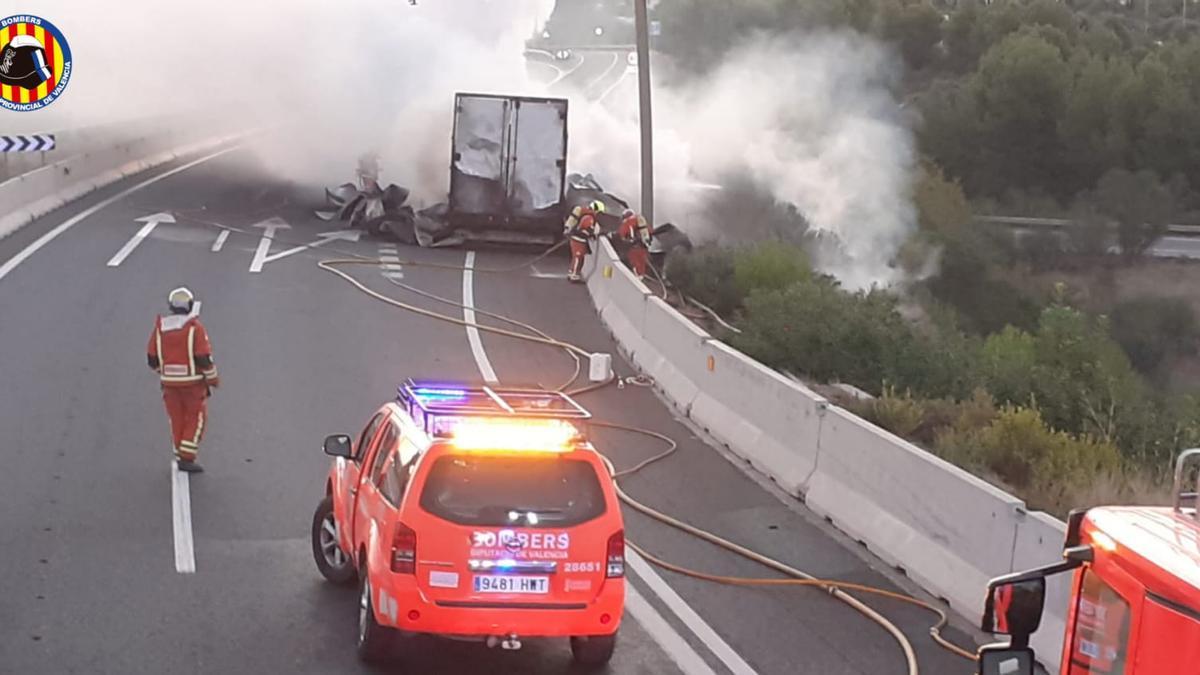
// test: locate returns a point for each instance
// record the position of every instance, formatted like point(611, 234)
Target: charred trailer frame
point(508, 168)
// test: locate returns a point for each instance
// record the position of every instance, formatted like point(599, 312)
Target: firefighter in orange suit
point(581, 229)
point(636, 232)
point(179, 351)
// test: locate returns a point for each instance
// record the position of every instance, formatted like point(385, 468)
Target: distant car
point(562, 54)
point(631, 59)
point(475, 513)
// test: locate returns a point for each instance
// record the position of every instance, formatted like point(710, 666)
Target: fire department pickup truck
point(475, 513)
point(1135, 596)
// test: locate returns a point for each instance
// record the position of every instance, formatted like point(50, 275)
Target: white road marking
point(658, 627)
point(679, 607)
point(389, 258)
point(468, 294)
point(564, 74)
point(613, 87)
point(220, 242)
point(616, 61)
point(50, 236)
point(392, 266)
point(151, 222)
point(181, 517)
point(394, 275)
point(325, 238)
point(667, 637)
point(269, 227)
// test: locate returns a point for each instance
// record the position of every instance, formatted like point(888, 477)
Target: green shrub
point(900, 414)
point(965, 283)
point(769, 266)
point(1047, 468)
point(828, 334)
point(1153, 330)
point(705, 274)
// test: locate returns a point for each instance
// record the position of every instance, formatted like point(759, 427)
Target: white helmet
point(180, 300)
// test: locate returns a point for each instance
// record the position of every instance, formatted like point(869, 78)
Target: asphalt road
point(594, 73)
point(88, 582)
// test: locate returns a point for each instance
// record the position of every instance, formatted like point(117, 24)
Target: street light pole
point(647, 143)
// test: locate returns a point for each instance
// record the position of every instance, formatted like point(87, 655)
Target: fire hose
point(796, 577)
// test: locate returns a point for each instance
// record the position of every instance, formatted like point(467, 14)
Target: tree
point(1139, 204)
point(942, 208)
point(1153, 330)
point(950, 129)
point(1020, 90)
point(1092, 142)
point(916, 28)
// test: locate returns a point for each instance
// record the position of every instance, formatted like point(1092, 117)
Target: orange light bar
point(1103, 541)
point(488, 433)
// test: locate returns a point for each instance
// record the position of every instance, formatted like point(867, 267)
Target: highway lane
point(590, 72)
point(88, 581)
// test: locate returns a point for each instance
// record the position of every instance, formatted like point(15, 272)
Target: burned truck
point(508, 182)
point(508, 162)
point(508, 168)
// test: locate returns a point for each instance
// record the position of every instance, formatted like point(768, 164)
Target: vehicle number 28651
point(588, 566)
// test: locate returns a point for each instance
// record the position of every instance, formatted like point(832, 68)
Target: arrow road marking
point(269, 227)
point(325, 238)
point(151, 222)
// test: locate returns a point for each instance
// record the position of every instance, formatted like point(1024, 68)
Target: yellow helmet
point(597, 206)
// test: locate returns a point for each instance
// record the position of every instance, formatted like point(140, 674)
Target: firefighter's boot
point(189, 466)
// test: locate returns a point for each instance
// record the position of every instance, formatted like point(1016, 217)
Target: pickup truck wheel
point(593, 651)
point(374, 641)
point(331, 560)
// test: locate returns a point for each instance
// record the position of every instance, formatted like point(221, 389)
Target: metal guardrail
point(1059, 223)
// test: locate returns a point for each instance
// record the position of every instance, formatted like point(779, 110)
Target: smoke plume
point(809, 120)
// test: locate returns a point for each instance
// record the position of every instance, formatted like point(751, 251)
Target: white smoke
point(342, 77)
point(810, 119)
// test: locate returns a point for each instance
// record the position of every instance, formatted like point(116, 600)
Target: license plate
point(496, 583)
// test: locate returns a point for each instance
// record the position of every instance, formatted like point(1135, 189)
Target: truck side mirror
point(1014, 606)
point(338, 445)
point(1005, 660)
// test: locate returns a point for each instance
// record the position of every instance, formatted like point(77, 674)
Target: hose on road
point(837, 589)
point(796, 577)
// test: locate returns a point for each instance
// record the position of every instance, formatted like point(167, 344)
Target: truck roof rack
point(427, 402)
point(1190, 494)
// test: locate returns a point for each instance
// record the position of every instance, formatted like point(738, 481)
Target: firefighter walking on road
point(582, 229)
point(635, 232)
point(180, 352)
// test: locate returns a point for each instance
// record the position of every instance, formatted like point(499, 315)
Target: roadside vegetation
point(1061, 366)
point(1061, 408)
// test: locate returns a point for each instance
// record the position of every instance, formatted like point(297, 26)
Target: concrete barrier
point(947, 529)
point(1039, 541)
point(672, 352)
point(760, 415)
point(619, 298)
point(31, 195)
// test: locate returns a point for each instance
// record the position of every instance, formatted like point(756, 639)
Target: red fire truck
point(1135, 596)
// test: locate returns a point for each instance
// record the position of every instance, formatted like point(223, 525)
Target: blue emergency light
point(438, 406)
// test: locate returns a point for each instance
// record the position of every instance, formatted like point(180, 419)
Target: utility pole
point(643, 64)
